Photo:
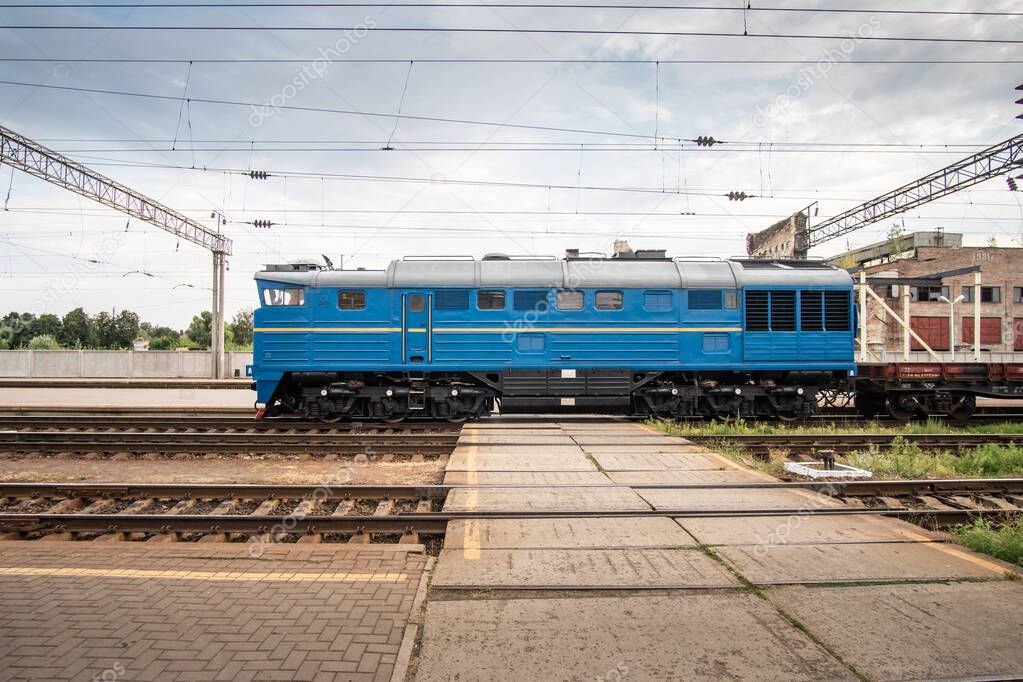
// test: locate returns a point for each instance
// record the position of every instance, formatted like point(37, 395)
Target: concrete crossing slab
point(903, 632)
point(736, 498)
point(523, 441)
point(644, 449)
point(793, 529)
point(629, 439)
point(544, 499)
point(837, 563)
point(578, 568)
point(526, 478)
point(618, 460)
point(693, 635)
point(685, 477)
point(565, 533)
point(464, 460)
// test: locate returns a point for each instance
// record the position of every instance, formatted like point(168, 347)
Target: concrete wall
point(123, 364)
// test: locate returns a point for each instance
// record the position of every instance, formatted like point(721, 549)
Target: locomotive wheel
point(395, 418)
point(963, 407)
point(898, 411)
point(458, 418)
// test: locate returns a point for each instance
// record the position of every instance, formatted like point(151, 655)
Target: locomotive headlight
point(674, 391)
point(388, 393)
point(738, 391)
point(454, 393)
point(323, 392)
point(800, 391)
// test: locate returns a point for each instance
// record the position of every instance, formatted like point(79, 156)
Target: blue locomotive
point(452, 338)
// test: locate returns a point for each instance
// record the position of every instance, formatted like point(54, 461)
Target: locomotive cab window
point(569, 300)
point(284, 297)
point(490, 300)
point(609, 300)
point(351, 300)
point(731, 300)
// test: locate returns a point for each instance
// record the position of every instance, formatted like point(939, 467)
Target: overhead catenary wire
point(507, 5)
point(490, 60)
point(512, 31)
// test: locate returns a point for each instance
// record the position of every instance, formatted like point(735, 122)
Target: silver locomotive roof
point(571, 273)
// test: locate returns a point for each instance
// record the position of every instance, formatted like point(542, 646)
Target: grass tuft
point(1003, 541)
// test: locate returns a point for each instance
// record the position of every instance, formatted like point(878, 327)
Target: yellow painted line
point(226, 576)
point(500, 330)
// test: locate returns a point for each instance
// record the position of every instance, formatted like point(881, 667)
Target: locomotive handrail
point(678, 259)
point(448, 257)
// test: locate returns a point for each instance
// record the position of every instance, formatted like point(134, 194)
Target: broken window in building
point(987, 294)
point(927, 293)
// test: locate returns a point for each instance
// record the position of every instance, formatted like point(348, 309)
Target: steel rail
point(849, 442)
point(262, 442)
point(424, 522)
point(439, 491)
point(214, 422)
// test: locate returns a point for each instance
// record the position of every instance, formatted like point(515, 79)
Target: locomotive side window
point(531, 300)
point(609, 300)
point(783, 311)
point(657, 301)
point(490, 300)
point(756, 311)
point(836, 311)
point(416, 303)
point(570, 300)
point(811, 305)
point(731, 300)
point(282, 297)
point(351, 300)
point(452, 299)
point(704, 299)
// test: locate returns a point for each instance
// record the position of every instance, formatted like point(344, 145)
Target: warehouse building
point(933, 277)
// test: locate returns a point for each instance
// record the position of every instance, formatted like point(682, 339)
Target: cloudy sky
point(509, 141)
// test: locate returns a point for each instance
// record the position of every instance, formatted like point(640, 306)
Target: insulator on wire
point(706, 141)
point(262, 223)
point(1013, 187)
point(737, 196)
point(258, 175)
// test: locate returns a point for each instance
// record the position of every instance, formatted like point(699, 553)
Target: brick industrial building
point(933, 268)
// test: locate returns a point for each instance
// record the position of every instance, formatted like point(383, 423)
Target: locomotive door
point(416, 327)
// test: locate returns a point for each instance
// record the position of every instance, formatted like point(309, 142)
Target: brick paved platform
point(74, 610)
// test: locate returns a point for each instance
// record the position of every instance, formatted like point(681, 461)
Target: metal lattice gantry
point(989, 163)
point(28, 156)
point(22, 153)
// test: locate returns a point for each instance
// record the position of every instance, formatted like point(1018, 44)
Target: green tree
point(199, 331)
point(76, 329)
point(163, 338)
point(102, 333)
point(125, 329)
point(45, 325)
point(241, 328)
point(43, 342)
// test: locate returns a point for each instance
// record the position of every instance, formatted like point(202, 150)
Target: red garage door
point(1017, 333)
point(933, 330)
point(990, 330)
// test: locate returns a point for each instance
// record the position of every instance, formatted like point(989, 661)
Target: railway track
point(337, 513)
point(170, 443)
point(844, 443)
point(105, 422)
